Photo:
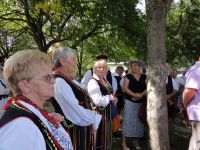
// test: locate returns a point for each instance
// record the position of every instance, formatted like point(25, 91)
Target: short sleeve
point(192, 80)
point(128, 76)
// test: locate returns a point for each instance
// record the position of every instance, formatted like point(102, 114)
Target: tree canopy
point(72, 21)
point(114, 27)
point(183, 32)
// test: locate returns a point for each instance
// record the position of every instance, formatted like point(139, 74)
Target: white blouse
point(69, 104)
point(95, 93)
point(23, 134)
point(88, 75)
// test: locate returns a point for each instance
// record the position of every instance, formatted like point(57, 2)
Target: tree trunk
point(80, 62)
point(156, 86)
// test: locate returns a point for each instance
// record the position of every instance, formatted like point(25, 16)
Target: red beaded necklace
point(42, 111)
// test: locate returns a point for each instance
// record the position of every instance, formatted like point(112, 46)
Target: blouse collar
point(97, 77)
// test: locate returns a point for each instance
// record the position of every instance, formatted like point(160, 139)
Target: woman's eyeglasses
point(47, 78)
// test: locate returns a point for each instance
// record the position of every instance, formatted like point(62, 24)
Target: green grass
point(179, 137)
point(180, 134)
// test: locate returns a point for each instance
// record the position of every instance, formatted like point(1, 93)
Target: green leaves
point(49, 8)
point(106, 26)
point(183, 33)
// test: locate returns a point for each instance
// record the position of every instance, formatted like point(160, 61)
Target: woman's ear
point(62, 60)
point(23, 86)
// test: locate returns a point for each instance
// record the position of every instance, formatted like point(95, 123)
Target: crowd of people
point(87, 113)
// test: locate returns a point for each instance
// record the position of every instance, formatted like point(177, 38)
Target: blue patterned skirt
point(132, 126)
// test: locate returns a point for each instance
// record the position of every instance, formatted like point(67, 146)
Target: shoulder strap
point(91, 70)
point(2, 84)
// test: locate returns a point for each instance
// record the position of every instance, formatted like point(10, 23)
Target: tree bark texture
point(156, 86)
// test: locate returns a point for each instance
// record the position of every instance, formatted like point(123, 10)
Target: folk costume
point(26, 126)
point(109, 77)
point(112, 81)
point(101, 95)
point(72, 101)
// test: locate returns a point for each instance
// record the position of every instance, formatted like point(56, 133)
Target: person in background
point(25, 124)
point(171, 90)
point(119, 93)
point(181, 106)
point(72, 100)
point(109, 76)
point(191, 101)
point(180, 85)
point(178, 80)
point(100, 91)
point(120, 104)
point(135, 96)
point(4, 90)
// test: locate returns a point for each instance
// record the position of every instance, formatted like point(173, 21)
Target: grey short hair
point(64, 52)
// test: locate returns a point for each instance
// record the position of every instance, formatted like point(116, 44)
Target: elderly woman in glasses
point(26, 125)
point(100, 92)
point(72, 101)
